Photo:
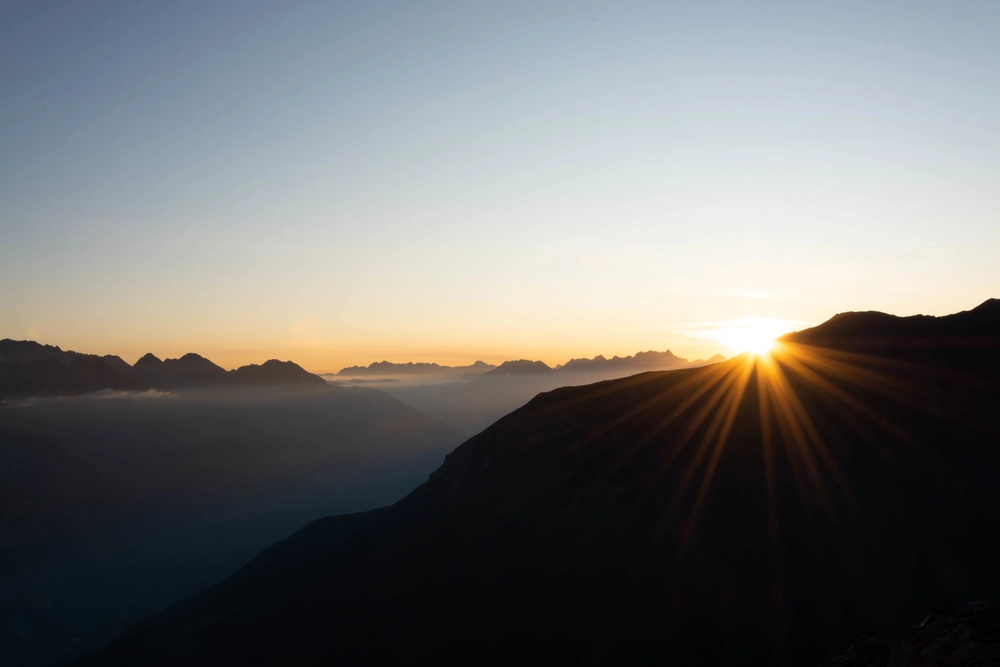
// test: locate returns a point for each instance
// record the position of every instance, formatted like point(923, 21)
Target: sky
point(341, 183)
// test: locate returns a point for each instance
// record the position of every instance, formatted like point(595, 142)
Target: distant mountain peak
point(412, 368)
point(519, 367)
point(30, 368)
point(29, 350)
point(650, 360)
point(274, 371)
point(48, 376)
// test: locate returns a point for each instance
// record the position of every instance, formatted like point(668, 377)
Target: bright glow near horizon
point(752, 334)
point(340, 183)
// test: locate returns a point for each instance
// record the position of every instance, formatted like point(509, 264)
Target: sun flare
point(755, 335)
point(758, 344)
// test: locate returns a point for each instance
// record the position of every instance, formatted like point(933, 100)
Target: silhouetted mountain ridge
point(642, 361)
point(849, 327)
point(28, 368)
point(28, 350)
point(189, 370)
point(411, 368)
point(48, 376)
point(274, 371)
point(519, 367)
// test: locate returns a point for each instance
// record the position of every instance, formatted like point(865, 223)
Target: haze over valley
point(473, 397)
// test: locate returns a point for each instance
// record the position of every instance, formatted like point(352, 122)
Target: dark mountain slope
point(874, 328)
point(759, 511)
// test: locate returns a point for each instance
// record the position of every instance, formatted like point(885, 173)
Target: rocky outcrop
point(964, 636)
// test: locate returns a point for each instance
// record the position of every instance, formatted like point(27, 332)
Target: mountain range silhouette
point(650, 360)
point(519, 367)
point(764, 510)
point(28, 368)
point(411, 368)
point(641, 361)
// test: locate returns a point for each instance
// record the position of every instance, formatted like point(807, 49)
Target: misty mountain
point(28, 368)
point(25, 369)
point(117, 503)
point(642, 361)
point(191, 370)
point(28, 350)
point(48, 376)
point(714, 359)
point(473, 403)
point(274, 372)
point(765, 510)
point(410, 368)
point(518, 367)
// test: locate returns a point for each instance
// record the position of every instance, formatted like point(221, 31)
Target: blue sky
point(344, 182)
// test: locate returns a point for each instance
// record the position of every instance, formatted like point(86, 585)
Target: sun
point(753, 334)
point(757, 344)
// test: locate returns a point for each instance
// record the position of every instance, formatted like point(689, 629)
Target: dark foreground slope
point(966, 635)
point(760, 511)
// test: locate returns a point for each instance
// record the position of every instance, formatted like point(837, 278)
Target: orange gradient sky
point(339, 184)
